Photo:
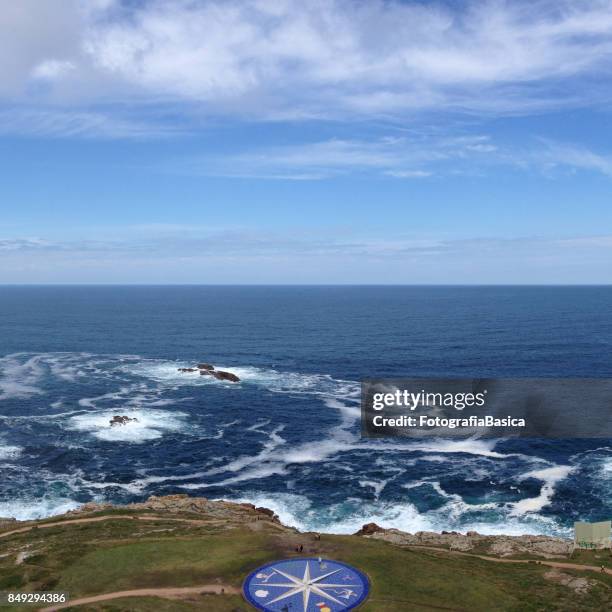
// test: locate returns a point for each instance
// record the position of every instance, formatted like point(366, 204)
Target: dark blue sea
point(287, 436)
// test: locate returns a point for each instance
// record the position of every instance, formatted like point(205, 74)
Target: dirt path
point(167, 593)
point(557, 564)
point(98, 519)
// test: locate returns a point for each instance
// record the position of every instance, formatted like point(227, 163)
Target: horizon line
point(81, 284)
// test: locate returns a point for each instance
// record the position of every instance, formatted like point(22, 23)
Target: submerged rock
point(122, 420)
point(205, 366)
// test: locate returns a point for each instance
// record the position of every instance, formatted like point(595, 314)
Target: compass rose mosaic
point(306, 585)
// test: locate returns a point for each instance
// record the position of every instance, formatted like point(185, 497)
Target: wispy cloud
point(398, 157)
point(554, 155)
point(57, 122)
point(285, 60)
point(419, 156)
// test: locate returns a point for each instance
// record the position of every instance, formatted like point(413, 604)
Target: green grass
point(95, 558)
point(592, 557)
point(166, 563)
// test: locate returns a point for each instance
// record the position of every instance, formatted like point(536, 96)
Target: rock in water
point(205, 366)
point(221, 375)
point(122, 420)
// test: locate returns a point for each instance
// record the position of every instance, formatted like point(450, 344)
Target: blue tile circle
point(306, 585)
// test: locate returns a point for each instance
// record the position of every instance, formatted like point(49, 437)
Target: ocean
point(287, 436)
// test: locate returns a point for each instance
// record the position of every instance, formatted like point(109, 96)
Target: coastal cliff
point(248, 515)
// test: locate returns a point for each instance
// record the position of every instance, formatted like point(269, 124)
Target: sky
point(328, 141)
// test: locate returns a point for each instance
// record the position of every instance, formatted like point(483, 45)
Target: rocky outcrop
point(235, 514)
point(369, 529)
point(577, 583)
point(206, 369)
point(498, 545)
point(122, 420)
point(221, 375)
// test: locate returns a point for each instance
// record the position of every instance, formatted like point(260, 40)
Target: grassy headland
point(176, 543)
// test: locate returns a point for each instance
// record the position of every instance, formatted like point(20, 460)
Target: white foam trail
point(550, 477)
point(151, 424)
point(258, 425)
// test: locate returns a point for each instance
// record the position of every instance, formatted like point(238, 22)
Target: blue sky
point(319, 142)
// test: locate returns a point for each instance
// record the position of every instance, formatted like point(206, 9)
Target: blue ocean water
point(287, 436)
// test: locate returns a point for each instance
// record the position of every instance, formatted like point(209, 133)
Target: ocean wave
point(151, 424)
point(32, 509)
point(349, 516)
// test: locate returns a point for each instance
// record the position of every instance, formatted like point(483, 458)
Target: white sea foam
point(344, 518)
point(31, 509)
point(348, 517)
point(280, 382)
point(550, 477)
point(376, 485)
point(9, 452)
point(19, 378)
point(151, 424)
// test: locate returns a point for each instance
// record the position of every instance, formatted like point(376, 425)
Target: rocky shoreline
point(244, 514)
point(495, 545)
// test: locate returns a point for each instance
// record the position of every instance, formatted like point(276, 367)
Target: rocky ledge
point(232, 512)
point(206, 369)
point(474, 542)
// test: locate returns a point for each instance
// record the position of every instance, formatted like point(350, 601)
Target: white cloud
point(277, 59)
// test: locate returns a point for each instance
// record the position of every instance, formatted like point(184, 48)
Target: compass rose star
point(306, 586)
